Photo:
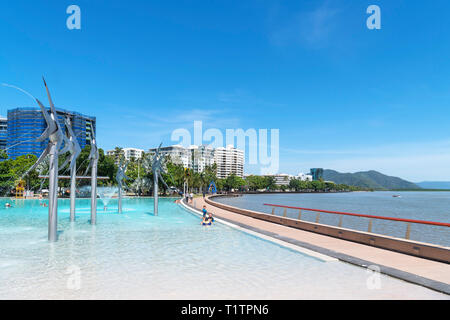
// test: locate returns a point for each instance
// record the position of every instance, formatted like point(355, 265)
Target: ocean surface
point(429, 206)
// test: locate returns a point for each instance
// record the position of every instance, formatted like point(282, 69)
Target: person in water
point(7, 205)
point(206, 221)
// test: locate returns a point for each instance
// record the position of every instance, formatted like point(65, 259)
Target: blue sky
point(343, 96)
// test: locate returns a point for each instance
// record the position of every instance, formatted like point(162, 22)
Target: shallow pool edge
point(330, 255)
point(257, 233)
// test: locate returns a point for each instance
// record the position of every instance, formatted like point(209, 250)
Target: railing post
point(285, 212)
point(369, 229)
point(340, 222)
point(300, 214)
point(317, 217)
point(273, 210)
point(408, 231)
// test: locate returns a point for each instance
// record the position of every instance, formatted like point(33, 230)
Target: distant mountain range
point(368, 179)
point(434, 184)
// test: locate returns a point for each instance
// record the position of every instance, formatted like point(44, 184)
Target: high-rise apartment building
point(201, 156)
point(27, 124)
point(3, 132)
point(229, 161)
point(128, 153)
point(177, 154)
point(316, 173)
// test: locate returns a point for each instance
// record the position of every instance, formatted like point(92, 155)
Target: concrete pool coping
point(427, 273)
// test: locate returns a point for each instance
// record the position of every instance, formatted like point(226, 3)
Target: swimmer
point(205, 221)
point(7, 205)
point(105, 208)
point(210, 217)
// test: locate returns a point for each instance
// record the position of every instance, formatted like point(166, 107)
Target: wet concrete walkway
point(432, 274)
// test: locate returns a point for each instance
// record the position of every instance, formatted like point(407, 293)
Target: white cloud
point(310, 28)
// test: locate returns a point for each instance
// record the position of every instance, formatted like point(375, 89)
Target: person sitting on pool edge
point(204, 211)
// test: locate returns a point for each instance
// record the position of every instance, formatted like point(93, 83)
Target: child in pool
point(206, 221)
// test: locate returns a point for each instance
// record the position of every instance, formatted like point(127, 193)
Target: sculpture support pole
point(155, 193)
point(94, 192)
point(53, 195)
point(120, 199)
point(73, 173)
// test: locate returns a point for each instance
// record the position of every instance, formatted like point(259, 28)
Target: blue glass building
point(26, 124)
point(317, 173)
point(3, 132)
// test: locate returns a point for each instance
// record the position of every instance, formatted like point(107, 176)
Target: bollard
point(273, 210)
point(299, 214)
point(285, 212)
point(340, 222)
point(317, 217)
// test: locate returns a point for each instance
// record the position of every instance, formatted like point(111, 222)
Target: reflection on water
point(429, 206)
point(142, 256)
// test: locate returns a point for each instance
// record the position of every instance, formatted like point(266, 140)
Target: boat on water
point(396, 196)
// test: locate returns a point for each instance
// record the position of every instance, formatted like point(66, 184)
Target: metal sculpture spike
point(93, 160)
point(157, 168)
point(72, 146)
point(75, 150)
point(52, 132)
point(93, 155)
point(121, 169)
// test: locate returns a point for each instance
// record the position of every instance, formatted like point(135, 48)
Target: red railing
point(318, 211)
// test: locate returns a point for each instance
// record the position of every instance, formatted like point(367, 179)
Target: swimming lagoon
point(137, 255)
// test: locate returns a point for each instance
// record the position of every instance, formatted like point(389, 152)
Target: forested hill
point(368, 179)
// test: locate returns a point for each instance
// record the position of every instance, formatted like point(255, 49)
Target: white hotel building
point(283, 179)
point(229, 160)
point(128, 153)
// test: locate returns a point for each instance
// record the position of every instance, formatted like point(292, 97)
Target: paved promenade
point(429, 273)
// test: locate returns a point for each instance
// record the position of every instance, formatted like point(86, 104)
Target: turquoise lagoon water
point(136, 255)
point(430, 206)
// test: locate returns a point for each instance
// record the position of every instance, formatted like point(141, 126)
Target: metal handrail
point(442, 224)
point(369, 229)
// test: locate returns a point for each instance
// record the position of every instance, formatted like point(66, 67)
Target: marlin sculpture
point(56, 137)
